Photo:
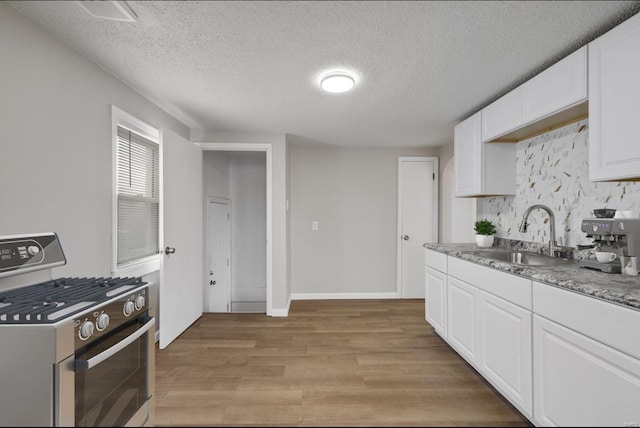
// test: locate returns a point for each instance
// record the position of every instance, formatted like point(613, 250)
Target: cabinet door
point(467, 147)
point(435, 303)
point(581, 382)
point(462, 319)
point(614, 103)
point(558, 87)
point(505, 349)
point(502, 115)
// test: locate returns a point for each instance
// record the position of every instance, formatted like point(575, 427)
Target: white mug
point(605, 257)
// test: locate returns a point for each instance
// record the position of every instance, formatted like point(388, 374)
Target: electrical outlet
point(314, 225)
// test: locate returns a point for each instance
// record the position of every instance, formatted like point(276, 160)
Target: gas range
point(52, 301)
point(78, 351)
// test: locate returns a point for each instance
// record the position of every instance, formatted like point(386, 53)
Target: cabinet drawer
point(608, 323)
point(512, 288)
point(435, 260)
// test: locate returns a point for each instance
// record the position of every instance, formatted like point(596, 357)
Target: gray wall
point(216, 175)
point(55, 145)
point(248, 226)
point(55, 142)
point(352, 193)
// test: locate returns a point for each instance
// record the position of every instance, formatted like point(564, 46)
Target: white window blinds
point(138, 196)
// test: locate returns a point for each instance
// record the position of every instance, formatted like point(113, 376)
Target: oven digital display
point(5, 254)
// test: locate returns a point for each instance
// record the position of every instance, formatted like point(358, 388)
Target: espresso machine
point(618, 235)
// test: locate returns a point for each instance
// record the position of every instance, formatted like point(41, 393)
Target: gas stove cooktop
point(51, 301)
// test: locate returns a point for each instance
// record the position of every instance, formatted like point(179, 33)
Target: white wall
point(352, 193)
point(55, 142)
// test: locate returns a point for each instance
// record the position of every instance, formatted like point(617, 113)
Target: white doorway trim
point(399, 218)
point(267, 148)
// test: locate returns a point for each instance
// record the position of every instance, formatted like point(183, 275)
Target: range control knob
point(86, 330)
point(102, 322)
point(128, 308)
point(140, 302)
point(33, 250)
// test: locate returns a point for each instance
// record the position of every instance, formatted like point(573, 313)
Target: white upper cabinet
point(467, 146)
point(482, 169)
point(558, 87)
point(502, 115)
point(614, 103)
point(553, 98)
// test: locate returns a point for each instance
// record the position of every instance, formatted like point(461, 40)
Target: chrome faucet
point(553, 245)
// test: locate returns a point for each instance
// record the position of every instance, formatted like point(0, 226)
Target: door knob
point(169, 250)
point(405, 237)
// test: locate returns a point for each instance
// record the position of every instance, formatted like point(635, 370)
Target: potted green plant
point(485, 229)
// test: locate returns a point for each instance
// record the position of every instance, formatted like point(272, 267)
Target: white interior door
point(217, 283)
point(418, 220)
point(181, 276)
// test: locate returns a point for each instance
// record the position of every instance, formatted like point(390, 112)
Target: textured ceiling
point(253, 67)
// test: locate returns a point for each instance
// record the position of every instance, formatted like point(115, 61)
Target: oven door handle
point(82, 365)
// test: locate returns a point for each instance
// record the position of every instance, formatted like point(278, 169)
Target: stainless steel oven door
point(113, 377)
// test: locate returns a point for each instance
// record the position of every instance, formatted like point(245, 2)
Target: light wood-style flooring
point(330, 363)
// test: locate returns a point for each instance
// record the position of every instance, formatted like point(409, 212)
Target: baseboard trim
point(344, 296)
point(281, 312)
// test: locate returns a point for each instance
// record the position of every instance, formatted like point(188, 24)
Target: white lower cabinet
point(505, 349)
point(435, 303)
point(579, 381)
point(560, 357)
point(462, 319)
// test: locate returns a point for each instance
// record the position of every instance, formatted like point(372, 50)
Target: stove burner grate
point(49, 301)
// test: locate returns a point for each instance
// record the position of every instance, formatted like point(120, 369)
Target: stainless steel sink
point(522, 258)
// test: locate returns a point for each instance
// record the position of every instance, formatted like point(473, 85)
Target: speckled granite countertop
point(616, 288)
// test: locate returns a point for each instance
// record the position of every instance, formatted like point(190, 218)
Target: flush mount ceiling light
point(338, 82)
point(109, 9)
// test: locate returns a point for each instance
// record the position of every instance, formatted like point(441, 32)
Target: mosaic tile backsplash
point(553, 170)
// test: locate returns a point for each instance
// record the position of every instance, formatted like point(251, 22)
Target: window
point(137, 194)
